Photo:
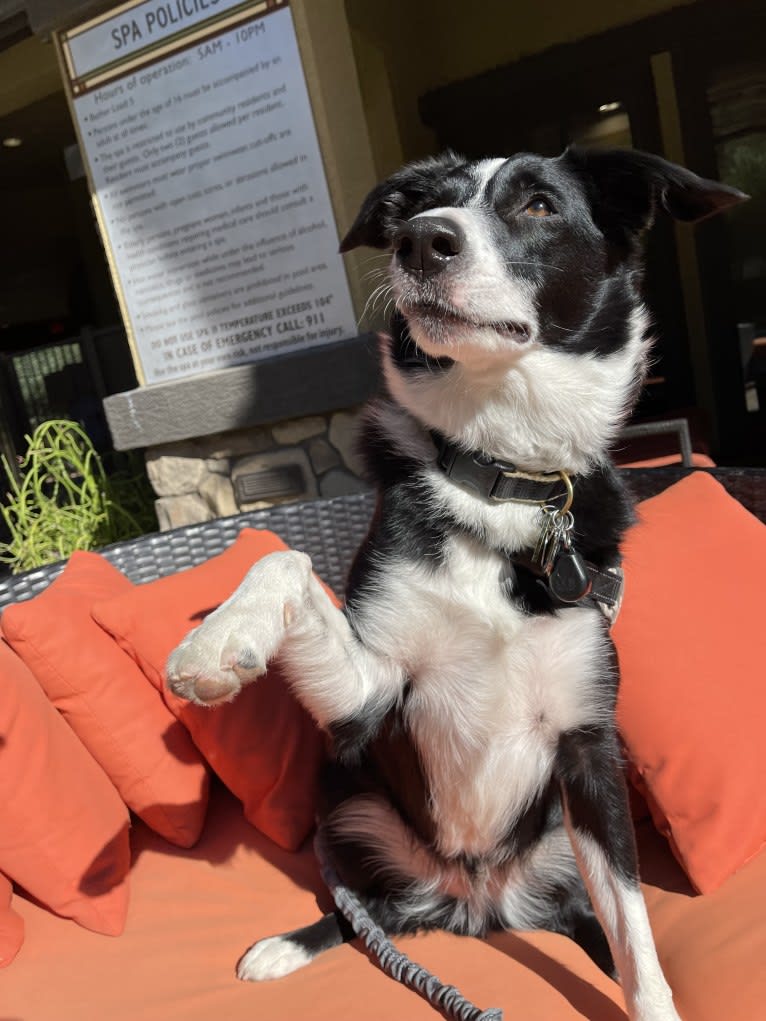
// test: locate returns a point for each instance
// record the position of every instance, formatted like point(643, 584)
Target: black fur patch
point(382, 760)
point(528, 591)
point(587, 932)
point(352, 735)
point(406, 354)
point(540, 817)
point(582, 925)
point(603, 511)
point(441, 180)
point(589, 768)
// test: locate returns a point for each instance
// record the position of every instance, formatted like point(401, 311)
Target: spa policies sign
point(208, 184)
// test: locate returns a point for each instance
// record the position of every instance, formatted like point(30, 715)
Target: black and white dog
point(469, 686)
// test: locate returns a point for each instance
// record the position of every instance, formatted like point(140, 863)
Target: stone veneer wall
point(195, 480)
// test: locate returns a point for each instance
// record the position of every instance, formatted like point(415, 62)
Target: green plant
point(64, 500)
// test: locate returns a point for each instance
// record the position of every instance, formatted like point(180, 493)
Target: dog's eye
point(539, 207)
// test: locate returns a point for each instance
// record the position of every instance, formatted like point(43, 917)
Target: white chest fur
point(491, 687)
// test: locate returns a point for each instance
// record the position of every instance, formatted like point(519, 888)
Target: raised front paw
point(234, 644)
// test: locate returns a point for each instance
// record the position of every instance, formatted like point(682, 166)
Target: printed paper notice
point(210, 184)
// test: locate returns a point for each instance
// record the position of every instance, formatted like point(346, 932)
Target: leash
point(446, 999)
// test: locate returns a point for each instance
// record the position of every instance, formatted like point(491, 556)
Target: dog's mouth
point(440, 320)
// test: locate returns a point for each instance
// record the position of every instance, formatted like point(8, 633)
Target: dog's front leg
point(280, 607)
point(598, 820)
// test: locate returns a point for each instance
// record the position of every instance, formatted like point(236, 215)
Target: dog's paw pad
point(271, 958)
point(247, 663)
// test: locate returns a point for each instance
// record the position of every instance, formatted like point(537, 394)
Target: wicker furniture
point(329, 530)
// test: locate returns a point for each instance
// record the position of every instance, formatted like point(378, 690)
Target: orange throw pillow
point(263, 745)
point(11, 925)
point(691, 639)
point(106, 700)
point(63, 827)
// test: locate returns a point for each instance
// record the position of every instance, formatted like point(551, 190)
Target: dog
point(469, 684)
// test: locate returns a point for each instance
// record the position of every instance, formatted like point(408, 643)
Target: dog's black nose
point(427, 244)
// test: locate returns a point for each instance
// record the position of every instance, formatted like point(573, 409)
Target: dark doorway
point(721, 86)
point(602, 91)
point(62, 345)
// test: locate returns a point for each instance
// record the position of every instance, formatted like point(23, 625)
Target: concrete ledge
point(288, 386)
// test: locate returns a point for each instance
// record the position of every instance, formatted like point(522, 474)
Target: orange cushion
point(11, 925)
point(106, 700)
point(63, 827)
point(698, 460)
point(692, 645)
point(712, 948)
point(264, 746)
point(185, 910)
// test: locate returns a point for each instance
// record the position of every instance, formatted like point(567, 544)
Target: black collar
point(499, 480)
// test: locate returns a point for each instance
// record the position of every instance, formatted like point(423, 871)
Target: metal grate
point(36, 373)
point(277, 483)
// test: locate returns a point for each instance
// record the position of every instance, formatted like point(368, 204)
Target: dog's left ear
point(628, 186)
point(369, 226)
point(401, 196)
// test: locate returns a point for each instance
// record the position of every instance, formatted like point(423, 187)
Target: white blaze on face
point(483, 289)
point(485, 171)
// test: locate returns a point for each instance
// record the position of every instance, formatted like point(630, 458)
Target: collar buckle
point(472, 471)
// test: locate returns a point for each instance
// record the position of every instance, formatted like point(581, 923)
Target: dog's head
point(499, 254)
point(525, 263)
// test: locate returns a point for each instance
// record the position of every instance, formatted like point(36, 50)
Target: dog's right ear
point(627, 187)
point(368, 227)
point(401, 196)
